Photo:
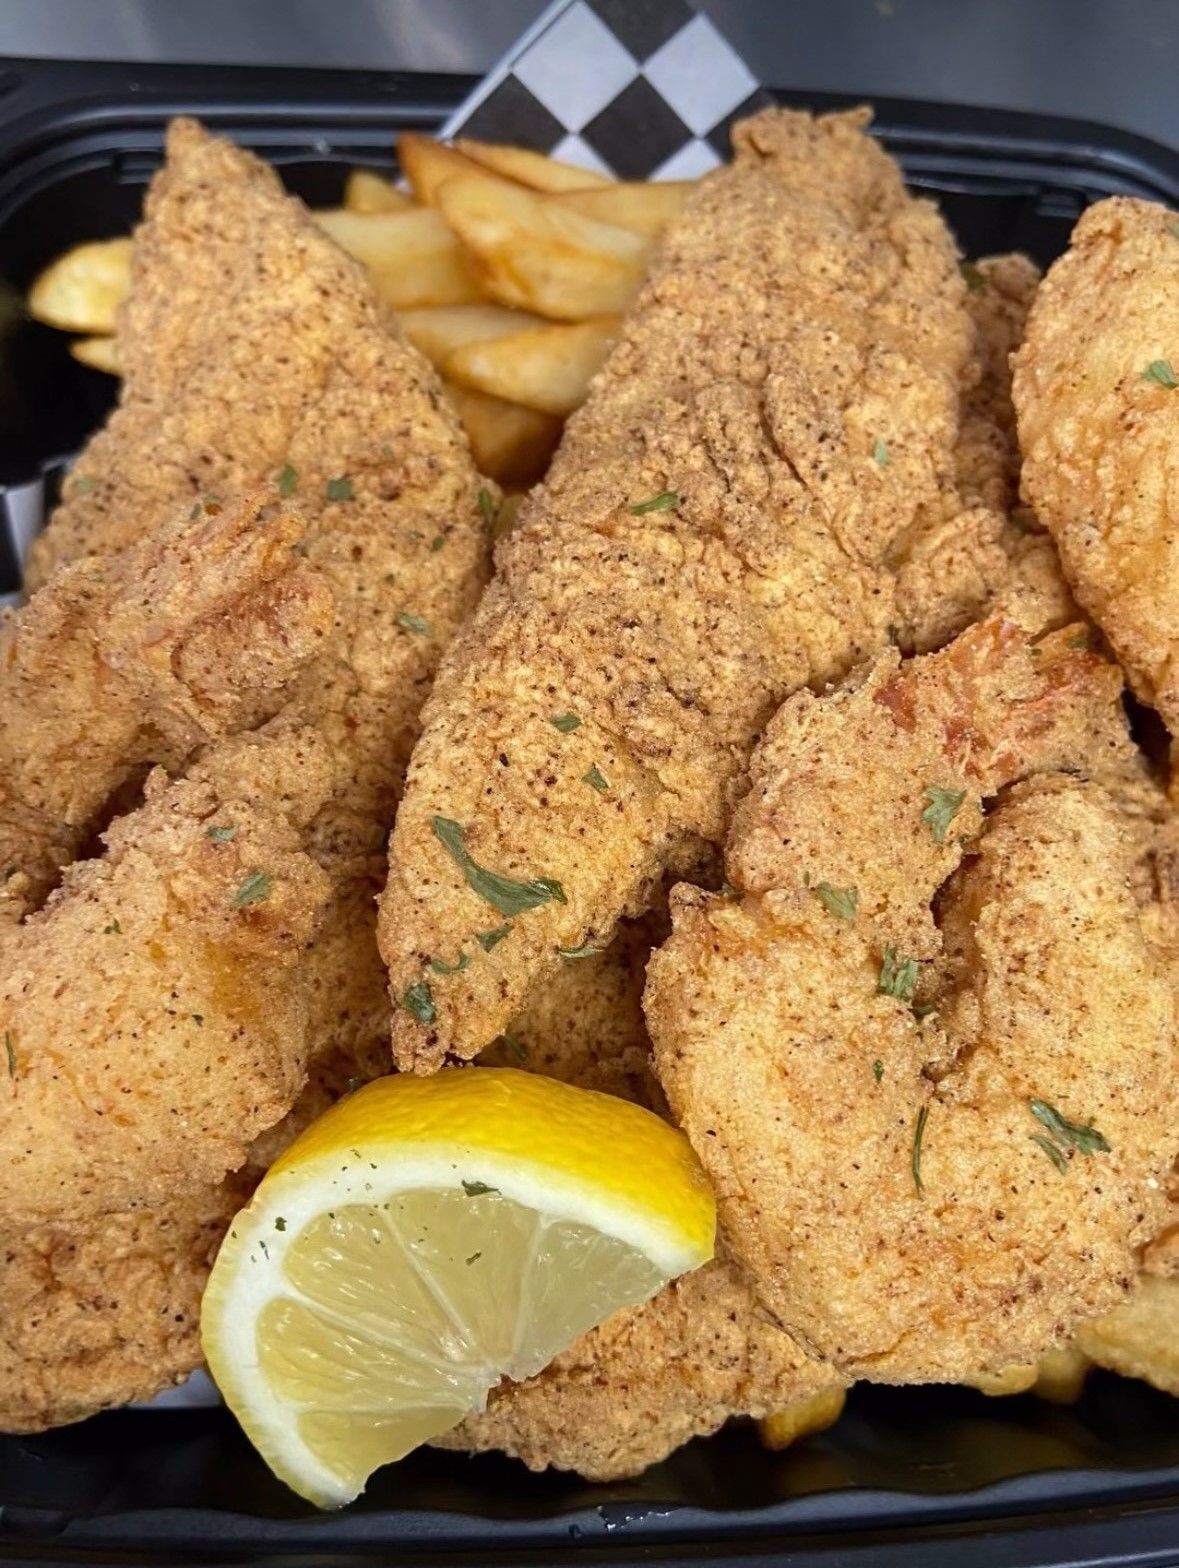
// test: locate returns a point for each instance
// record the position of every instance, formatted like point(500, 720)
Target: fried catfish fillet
point(140, 657)
point(937, 1144)
point(1099, 429)
point(638, 1386)
point(713, 534)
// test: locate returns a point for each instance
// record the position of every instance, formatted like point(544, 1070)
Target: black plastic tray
point(914, 1476)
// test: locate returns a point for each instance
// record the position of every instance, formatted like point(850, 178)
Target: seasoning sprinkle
point(880, 454)
point(918, 1137)
point(515, 1048)
point(339, 489)
point(221, 835)
point(280, 1223)
point(842, 902)
point(113, 929)
point(10, 1052)
point(1051, 1151)
point(586, 951)
point(565, 722)
point(419, 1000)
point(507, 894)
point(898, 976)
point(489, 939)
point(878, 1069)
point(254, 889)
point(1085, 1139)
point(476, 1189)
point(943, 806)
point(595, 779)
point(665, 501)
point(1161, 370)
point(487, 507)
point(440, 968)
point(436, 543)
point(416, 624)
point(287, 479)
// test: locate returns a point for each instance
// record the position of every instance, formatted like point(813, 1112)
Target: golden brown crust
point(801, 309)
point(1099, 435)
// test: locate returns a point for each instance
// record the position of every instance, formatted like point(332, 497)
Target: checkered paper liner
point(639, 89)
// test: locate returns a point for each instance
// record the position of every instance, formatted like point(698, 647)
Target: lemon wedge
point(425, 1238)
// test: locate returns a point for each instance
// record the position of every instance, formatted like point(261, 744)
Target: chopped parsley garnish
point(489, 939)
point(596, 780)
point(436, 543)
point(918, 1137)
point(198, 1019)
point(972, 275)
point(587, 950)
point(842, 902)
point(84, 483)
point(1064, 1134)
point(419, 1000)
point(943, 806)
point(253, 890)
point(221, 835)
point(112, 929)
point(416, 624)
point(476, 1189)
point(516, 1049)
point(1080, 640)
point(898, 976)
point(440, 968)
point(507, 894)
point(195, 513)
point(878, 1069)
point(279, 1222)
point(880, 454)
point(475, 1256)
point(10, 1053)
point(339, 489)
point(663, 502)
point(1161, 370)
point(565, 722)
point(1051, 1151)
point(487, 507)
point(286, 481)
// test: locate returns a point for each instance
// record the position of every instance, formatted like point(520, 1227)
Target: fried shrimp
point(1098, 424)
point(715, 532)
point(938, 1143)
point(140, 657)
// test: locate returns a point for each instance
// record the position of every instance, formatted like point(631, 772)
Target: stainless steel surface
point(1109, 60)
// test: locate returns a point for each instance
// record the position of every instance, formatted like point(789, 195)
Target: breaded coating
point(138, 658)
point(1000, 291)
point(1099, 429)
point(96, 1315)
point(638, 1386)
point(713, 534)
point(929, 1195)
point(151, 1012)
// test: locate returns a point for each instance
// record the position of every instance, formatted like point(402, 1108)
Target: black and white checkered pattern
point(640, 89)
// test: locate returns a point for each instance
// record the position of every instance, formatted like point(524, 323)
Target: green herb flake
point(972, 275)
point(441, 968)
point(506, 894)
point(878, 1069)
point(665, 501)
point(265, 1250)
point(943, 806)
point(437, 543)
point(475, 1256)
point(918, 1138)
point(339, 489)
point(416, 624)
point(476, 1189)
point(419, 1000)
point(565, 722)
point(587, 950)
point(596, 780)
point(112, 929)
point(1051, 1151)
point(1084, 1138)
point(198, 1019)
point(287, 479)
point(221, 835)
point(488, 510)
point(842, 902)
point(898, 976)
point(10, 1053)
point(195, 513)
point(1162, 371)
point(280, 1223)
point(254, 890)
point(515, 1048)
point(880, 454)
point(489, 939)
point(84, 484)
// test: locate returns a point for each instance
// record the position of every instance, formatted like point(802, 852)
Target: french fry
point(531, 253)
point(530, 168)
point(801, 1418)
point(437, 332)
point(82, 290)
point(510, 444)
point(547, 368)
point(644, 207)
point(1060, 1375)
point(414, 256)
point(368, 192)
point(1141, 1337)
point(96, 353)
point(427, 164)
